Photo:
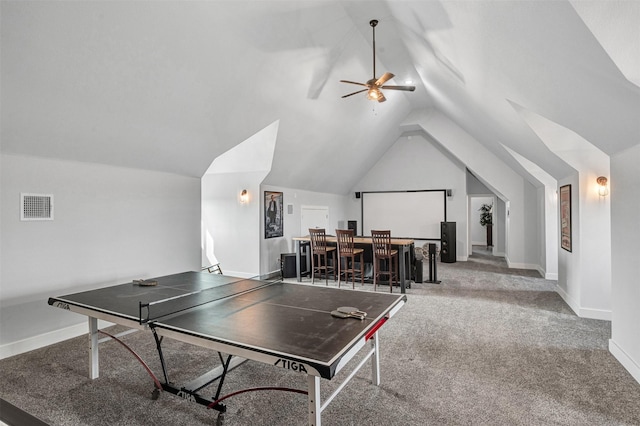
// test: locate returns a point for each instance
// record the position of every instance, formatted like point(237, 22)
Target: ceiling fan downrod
point(373, 24)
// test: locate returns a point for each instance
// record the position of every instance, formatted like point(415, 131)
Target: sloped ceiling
point(172, 85)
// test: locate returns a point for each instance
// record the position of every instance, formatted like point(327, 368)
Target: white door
point(314, 217)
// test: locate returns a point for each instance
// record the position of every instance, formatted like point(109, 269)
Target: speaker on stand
point(447, 242)
point(433, 273)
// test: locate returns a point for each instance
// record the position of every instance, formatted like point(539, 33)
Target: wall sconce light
point(244, 196)
point(603, 189)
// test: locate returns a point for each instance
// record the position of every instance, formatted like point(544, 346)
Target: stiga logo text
point(290, 365)
point(186, 395)
point(63, 305)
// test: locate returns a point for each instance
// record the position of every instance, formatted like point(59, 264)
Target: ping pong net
point(157, 309)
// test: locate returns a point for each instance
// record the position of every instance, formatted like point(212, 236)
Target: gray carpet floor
point(487, 346)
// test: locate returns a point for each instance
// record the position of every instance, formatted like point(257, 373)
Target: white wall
point(415, 162)
point(111, 225)
point(591, 257)
point(231, 229)
point(533, 218)
point(595, 250)
point(272, 248)
point(504, 181)
point(584, 274)
point(549, 231)
point(569, 273)
point(500, 228)
point(625, 259)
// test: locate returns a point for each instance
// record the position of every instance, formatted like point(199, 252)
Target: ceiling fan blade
point(354, 82)
point(406, 88)
point(385, 77)
point(381, 97)
point(355, 93)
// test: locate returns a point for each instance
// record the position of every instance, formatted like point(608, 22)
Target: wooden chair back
point(345, 241)
point(318, 240)
point(381, 243)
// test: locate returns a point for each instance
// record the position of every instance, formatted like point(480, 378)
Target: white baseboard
point(240, 274)
point(598, 314)
point(623, 358)
point(551, 276)
point(42, 340)
point(568, 300)
point(46, 339)
point(522, 265)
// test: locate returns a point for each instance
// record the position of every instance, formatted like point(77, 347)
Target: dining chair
point(348, 253)
point(383, 254)
point(320, 253)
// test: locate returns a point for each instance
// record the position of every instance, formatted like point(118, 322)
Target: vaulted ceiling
point(172, 85)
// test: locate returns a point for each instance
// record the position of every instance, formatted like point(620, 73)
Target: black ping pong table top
point(292, 321)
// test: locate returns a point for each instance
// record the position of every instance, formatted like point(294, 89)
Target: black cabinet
point(288, 265)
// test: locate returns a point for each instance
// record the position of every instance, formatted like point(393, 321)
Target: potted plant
point(486, 220)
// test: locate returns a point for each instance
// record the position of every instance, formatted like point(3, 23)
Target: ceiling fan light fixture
point(373, 86)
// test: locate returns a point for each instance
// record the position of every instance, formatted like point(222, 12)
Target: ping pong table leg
point(375, 361)
point(94, 370)
point(315, 410)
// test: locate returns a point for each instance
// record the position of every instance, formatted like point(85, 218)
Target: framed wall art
point(565, 217)
point(273, 214)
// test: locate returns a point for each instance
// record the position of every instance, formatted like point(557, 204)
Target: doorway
point(314, 217)
point(482, 238)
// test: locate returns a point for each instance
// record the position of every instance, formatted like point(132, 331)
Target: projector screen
point(408, 214)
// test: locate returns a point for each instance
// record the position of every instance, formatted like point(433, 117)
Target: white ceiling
point(172, 85)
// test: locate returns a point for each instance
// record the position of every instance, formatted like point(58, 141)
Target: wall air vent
point(36, 207)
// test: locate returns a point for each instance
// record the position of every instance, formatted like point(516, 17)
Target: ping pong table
point(287, 325)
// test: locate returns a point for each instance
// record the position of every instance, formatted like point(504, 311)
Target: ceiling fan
point(374, 85)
